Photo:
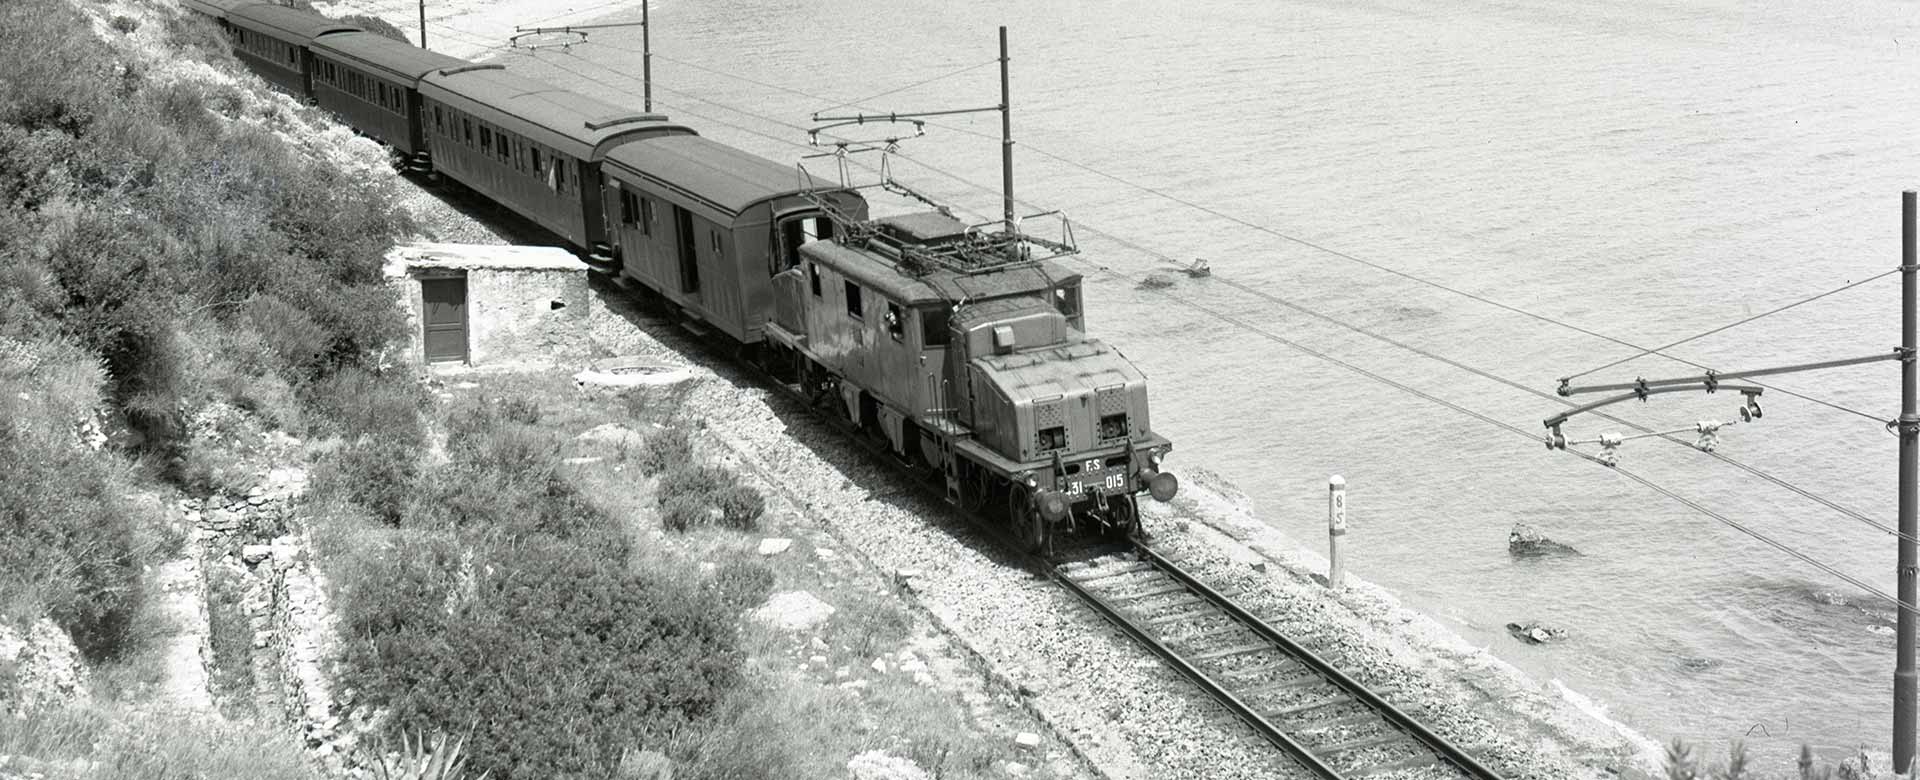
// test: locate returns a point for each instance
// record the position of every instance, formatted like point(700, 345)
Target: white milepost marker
point(1336, 528)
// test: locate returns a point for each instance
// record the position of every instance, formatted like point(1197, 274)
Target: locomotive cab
point(1065, 415)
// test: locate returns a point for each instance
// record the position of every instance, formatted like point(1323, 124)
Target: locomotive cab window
point(1066, 299)
point(854, 304)
point(797, 231)
point(813, 278)
point(933, 327)
point(896, 322)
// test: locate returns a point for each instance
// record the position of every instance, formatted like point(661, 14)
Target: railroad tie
point(1364, 742)
point(1280, 685)
point(1229, 652)
point(1172, 587)
point(1174, 617)
point(1338, 698)
point(1415, 760)
point(1235, 628)
point(1123, 570)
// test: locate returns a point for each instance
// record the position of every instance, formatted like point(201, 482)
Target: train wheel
point(1123, 516)
point(1029, 529)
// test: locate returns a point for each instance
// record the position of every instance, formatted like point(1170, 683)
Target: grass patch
point(106, 743)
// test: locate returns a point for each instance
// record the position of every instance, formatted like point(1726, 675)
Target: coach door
point(444, 318)
point(688, 250)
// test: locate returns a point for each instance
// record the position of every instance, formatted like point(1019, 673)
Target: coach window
point(646, 217)
point(813, 278)
point(854, 304)
point(629, 209)
point(536, 159)
point(896, 322)
point(467, 126)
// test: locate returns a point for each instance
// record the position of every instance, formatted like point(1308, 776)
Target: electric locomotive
point(965, 350)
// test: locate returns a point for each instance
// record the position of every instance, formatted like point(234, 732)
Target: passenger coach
point(708, 226)
point(530, 146)
point(274, 41)
point(372, 83)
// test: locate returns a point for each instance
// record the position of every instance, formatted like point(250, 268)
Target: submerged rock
point(1156, 281)
point(1534, 632)
point(1525, 541)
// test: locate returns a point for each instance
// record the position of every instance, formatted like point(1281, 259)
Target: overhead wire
point(1277, 234)
point(1402, 387)
point(1732, 325)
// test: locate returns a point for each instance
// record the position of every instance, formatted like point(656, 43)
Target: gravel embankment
point(1110, 700)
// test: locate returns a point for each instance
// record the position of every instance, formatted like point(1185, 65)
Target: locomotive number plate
point(1089, 482)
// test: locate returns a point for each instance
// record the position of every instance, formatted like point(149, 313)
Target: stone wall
point(522, 315)
point(295, 634)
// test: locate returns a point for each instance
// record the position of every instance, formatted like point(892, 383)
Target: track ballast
point(1328, 722)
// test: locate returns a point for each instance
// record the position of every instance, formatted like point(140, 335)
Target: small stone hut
point(478, 304)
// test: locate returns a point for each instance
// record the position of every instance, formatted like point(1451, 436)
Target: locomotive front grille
point(1050, 425)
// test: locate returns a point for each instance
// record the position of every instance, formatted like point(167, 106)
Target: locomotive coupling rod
point(1639, 393)
point(1713, 378)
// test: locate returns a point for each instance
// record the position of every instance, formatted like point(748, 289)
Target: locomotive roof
point(285, 23)
point(217, 9)
point(379, 52)
point(878, 272)
point(728, 179)
point(575, 124)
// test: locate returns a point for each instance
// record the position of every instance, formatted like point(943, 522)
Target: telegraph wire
point(1402, 387)
point(1731, 325)
point(1275, 233)
point(950, 74)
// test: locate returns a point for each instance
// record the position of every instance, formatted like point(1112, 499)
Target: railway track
point(1331, 724)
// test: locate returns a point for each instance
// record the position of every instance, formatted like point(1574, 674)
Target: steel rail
point(1395, 717)
point(1247, 713)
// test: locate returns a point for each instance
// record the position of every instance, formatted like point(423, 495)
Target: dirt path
point(183, 604)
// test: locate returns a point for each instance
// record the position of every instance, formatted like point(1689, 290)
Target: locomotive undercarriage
point(1035, 516)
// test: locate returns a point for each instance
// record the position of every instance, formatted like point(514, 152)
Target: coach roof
point(286, 23)
point(397, 59)
point(570, 122)
point(728, 179)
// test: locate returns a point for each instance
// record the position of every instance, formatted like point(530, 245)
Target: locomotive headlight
point(1154, 455)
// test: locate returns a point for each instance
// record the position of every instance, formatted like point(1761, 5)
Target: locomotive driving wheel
point(1123, 516)
point(1029, 529)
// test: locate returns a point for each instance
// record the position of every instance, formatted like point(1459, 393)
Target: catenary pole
point(1006, 138)
point(646, 59)
point(423, 24)
point(1903, 672)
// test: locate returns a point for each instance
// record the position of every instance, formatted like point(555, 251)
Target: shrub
point(503, 481)
point(556, 660)
point(380, 474)
point(66, 534)
point(669, 448)
point(743, 583)
point(376, 25)
point(123, 24)
point(692, 496)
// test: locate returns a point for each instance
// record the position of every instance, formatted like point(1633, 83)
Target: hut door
point(444, 319)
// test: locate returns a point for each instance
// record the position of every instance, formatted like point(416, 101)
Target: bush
point(376, 25)
point(67, 537)
point(667, 449)
point(557, 660)
point(123, 24)
point(694, 496)
point(743, 583)
point(503, 481)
